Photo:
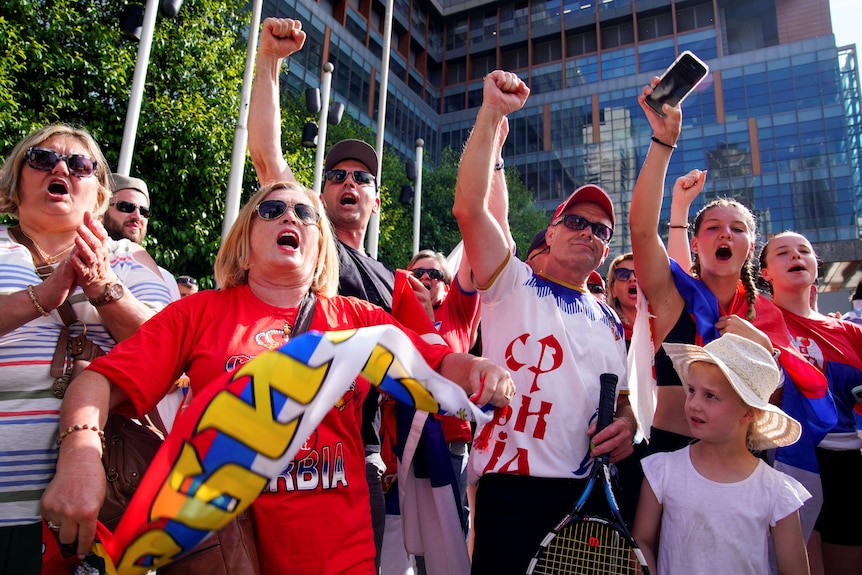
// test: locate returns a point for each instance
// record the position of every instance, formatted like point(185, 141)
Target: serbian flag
point(805, 395)
point(238, 433)
point(428, 497)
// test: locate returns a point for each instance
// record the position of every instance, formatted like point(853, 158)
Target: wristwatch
point(113, 292)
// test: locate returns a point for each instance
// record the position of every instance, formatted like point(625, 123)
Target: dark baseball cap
point(352, 150)
point(537, 243)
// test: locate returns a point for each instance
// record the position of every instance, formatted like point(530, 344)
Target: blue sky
point(846, 16)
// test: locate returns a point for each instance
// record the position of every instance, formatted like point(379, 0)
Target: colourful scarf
point(237, 434)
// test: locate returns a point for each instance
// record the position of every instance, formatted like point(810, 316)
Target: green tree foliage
point(66, 61)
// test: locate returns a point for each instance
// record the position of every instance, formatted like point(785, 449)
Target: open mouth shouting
point(58, 188)
point(288, 239)
point(723, 253)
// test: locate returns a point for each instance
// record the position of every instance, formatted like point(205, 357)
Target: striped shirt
point(29, 413)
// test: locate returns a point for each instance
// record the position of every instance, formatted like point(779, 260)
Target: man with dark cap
point(557, 340)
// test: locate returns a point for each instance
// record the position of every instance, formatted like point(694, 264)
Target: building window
point(694, 17)
point(581, 43)
point(515, 58)
point(514, 18)
point(456, 34)
point(545, 12)
point(481, 65)
point(456, 72)
point(550, 51)
point(618, 35)
point(656, 26)
point(547, 79)
point(582, 71)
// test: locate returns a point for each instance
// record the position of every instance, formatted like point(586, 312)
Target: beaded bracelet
point(35, 301)
point(660, 143)
point(77, 427)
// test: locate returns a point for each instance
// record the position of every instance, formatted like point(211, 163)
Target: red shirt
point(315, 518)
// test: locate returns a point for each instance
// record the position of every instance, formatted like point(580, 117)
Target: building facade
point(777, 122)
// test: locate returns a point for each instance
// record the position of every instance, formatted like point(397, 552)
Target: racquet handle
point(606, 400)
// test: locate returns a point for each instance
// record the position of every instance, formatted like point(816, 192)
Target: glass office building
point(776, 123)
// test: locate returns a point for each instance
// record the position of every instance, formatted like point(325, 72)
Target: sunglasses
point(574, 222)
point(623, 274)
point(434, 274)
point(187, 281)
point(274, 209)
point(129, 208)
point(44, 160)
point(596, 289)
point(359, 176)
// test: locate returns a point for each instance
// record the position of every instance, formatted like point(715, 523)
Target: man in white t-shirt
point(531, 461)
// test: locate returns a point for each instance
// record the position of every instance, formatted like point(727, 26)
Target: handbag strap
point(304, 314)
point(43, 270)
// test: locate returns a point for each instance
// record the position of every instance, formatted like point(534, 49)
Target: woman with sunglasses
point(276, 268)
point(723, 245)
point(55, 183)
point(623, 291)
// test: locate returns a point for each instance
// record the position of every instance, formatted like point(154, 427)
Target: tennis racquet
point(587, 545)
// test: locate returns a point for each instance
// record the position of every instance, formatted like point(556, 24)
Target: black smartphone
point(677, 82)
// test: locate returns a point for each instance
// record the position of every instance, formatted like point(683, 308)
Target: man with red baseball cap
point(555, 338)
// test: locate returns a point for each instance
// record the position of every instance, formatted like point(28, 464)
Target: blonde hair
point(10, 173)
point(612, 279)
point(437, 257)
point(232, 261)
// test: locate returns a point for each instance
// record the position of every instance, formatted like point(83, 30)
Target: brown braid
point(746, 274)
point(747, 277)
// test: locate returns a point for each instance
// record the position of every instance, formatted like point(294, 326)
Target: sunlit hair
point(746, 274)
point(10, 173)
point(612, 279)
point(232, 261)
point(442, 264)
point(764, 254)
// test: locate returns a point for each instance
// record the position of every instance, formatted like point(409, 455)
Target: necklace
point(48, 259)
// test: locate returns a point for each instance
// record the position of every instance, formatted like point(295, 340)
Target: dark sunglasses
point(187, 281)
point(274, 209)
point(574, 222)
point(44, 160)
point(359, 176)
point(129, 208)
point(623, 274)
point(596, 289)
point(432, 273)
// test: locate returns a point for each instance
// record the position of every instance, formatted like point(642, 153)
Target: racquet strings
point(588, 547)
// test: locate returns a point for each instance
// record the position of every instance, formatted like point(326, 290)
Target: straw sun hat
point(752, 373)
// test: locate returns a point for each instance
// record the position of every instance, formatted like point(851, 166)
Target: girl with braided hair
point(716, 297)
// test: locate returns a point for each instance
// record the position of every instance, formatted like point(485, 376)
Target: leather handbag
point(130, 448)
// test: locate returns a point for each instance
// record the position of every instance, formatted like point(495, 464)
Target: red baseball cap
point(588, 193)
point(596, 278)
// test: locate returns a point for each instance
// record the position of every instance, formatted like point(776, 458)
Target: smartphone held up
point(677, 82)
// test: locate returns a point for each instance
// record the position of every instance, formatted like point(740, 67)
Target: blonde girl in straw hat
point(713, 502)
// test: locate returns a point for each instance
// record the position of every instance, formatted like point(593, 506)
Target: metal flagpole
point(240, 134)
point(373, 231)
point(139, 78)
